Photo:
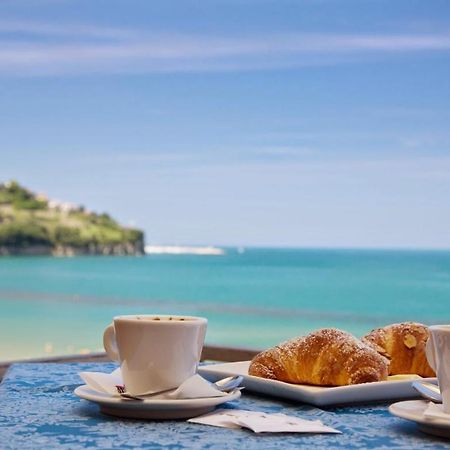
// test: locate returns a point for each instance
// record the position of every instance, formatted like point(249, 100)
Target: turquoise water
point(53, 306)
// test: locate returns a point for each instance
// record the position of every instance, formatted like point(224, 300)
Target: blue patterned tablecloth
point(39, 410)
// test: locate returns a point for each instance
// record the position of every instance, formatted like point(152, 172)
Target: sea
point(252, 298)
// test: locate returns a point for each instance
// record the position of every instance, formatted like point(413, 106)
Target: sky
point(309, 123)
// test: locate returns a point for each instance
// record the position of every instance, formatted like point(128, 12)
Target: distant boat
point(182, 250)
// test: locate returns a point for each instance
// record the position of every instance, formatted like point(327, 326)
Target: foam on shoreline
point(182, 250)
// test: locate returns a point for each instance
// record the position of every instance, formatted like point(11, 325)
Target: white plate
point(316, 395)
point(155, 407)
point(413, 410)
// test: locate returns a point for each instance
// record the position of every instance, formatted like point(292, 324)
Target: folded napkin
point(193, 387)
point(261, 422)
point(436, 411)
point(196, 387)
point(103, 382)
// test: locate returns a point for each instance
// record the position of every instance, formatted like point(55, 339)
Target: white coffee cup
point(438, 356)
point(156, 352)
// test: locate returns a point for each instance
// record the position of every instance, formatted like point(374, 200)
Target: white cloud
point(309, 163)
point(284, 151)
point(47, 48)
point(60, 30)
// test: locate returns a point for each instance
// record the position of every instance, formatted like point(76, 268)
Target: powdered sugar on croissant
point(326, 357)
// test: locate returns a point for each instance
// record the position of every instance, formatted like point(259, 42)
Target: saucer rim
point(416, 415)
point(87, 393)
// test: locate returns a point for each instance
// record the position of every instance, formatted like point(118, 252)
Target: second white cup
point(438, 356)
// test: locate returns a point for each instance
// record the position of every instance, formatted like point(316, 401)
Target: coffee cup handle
point(109, 342)
point(429, 351)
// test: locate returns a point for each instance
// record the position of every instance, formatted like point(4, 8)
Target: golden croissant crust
point(404, 345)
point(326, 357)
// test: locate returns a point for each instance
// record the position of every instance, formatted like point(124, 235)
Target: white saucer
point(413, 410)
point(155, 407)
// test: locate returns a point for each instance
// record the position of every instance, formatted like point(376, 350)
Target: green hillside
point(31, 223)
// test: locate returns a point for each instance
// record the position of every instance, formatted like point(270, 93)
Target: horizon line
point(301, 247)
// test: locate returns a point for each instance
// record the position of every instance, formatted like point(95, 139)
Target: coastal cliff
point(32, 224)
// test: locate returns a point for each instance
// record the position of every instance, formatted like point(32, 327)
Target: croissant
point(404, 345)
point(326, 357)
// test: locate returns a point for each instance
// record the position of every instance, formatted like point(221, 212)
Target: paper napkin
point(196, 387)
point(193, 387)
point(436, 411)
point(260, 422)
point(103, 382)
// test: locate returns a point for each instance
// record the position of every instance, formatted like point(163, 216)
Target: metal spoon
point(128, 396)
point(223, 385)
point(428, 390)
point(228, 383)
